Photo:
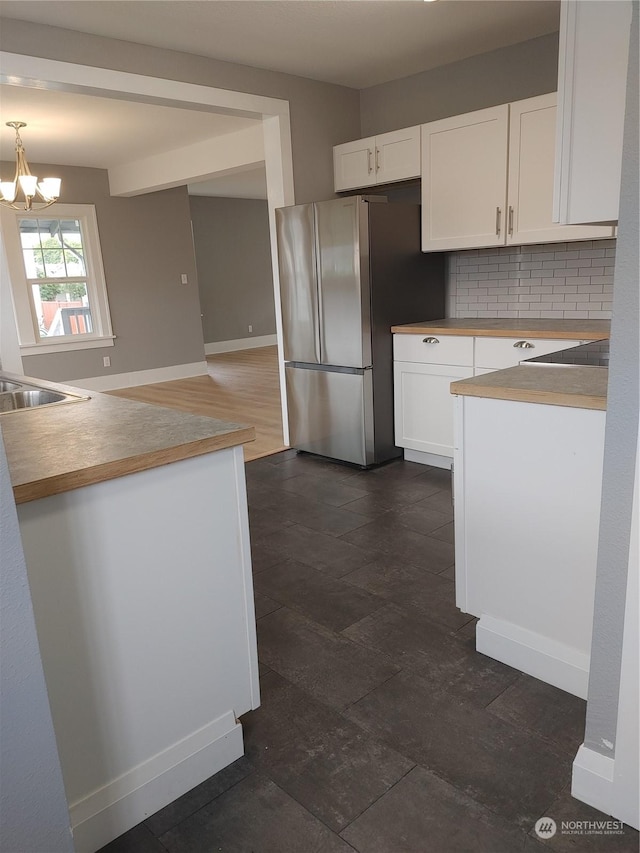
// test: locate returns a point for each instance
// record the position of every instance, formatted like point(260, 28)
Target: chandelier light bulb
point(48, 190)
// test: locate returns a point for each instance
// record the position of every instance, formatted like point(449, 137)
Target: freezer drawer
point(331, 412)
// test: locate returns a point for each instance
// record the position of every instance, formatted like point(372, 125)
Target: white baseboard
point(593, 780)
point(108, 812)
point(535, 654)
point(140, 377)
point(240, 343)
point(428, 459)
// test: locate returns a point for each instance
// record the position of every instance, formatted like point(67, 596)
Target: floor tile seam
point(465, 704)
point(388, 544)
point(265, 772)
point(254, 769)
point(507, 823)
point(552, 744)
point(446, 524)
point(334, 536)
point(377, 799)
point(512, 822)
point(368, 693)
point(418, 671)
point(297, 609)
point(427, 535)
point(446, 630)
point(320, 574)
point(535, 735)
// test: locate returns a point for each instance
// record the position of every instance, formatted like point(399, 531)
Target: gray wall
point(146, 245)
point(321, 114)
point(621, 439)
point(233, 257)
point(33, 806)
point(509, 74)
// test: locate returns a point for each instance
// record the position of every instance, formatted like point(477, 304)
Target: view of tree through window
point(54, 261)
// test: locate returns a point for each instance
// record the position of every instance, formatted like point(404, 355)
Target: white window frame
point(29, 340)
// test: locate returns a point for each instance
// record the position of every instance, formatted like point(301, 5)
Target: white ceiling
point(356, 43)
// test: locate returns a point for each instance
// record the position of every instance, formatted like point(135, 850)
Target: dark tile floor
point(381, 729)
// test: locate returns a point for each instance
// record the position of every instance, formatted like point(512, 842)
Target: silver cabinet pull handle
point(524, 345)
point(377, 159)
point(498, 217)
point(510, 221)
point(369, 160)
point(430, 341)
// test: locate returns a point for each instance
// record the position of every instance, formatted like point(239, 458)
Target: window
point(59, 291)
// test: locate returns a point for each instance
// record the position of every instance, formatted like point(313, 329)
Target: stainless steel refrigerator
point(350, 268)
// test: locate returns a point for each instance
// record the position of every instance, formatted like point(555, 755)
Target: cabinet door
point(354, 164)
point(424, 405)
point(592, 73)
point(532, 135)
point(397, 156)
point(464, 180)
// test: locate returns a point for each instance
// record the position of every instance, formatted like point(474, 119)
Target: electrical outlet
point(106, 361)
point(184, 279)
point(250, 329)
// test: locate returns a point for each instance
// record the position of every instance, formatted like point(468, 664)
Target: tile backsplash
point(565, 280)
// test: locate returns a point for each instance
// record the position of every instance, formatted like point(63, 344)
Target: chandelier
point(44, 192)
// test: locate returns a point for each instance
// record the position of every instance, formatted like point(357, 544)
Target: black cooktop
point(593, 354)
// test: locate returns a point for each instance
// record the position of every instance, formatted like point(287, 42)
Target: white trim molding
point(240, 344)
point(431, 459)
point(592, 779)
point(108, 812)
point(539, 656)
point(140, 377)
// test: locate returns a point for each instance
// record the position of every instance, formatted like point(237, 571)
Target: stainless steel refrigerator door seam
point(316, 264)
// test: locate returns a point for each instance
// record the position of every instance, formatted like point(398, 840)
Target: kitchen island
point(528, 458)
point(135, 531)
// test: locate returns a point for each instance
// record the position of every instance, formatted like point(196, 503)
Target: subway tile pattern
point(563, 280)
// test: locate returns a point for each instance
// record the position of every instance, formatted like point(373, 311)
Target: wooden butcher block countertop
point(594, 330)
point(578, 387)
point(57, 448)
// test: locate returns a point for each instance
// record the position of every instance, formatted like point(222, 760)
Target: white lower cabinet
point(423, 406)
point(527, 486)
point(424, 368)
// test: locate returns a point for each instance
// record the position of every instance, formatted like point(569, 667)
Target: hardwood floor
point(242, 387)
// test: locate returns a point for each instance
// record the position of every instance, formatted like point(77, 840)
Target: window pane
point(52, 248)
point(33, 263)
point(62, 308)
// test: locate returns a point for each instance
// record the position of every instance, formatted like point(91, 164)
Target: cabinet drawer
point(503, 352)
point(434, 349)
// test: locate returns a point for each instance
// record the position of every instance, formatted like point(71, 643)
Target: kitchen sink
point(17, 396)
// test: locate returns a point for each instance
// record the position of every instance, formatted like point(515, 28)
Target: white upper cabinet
point(464, 180)
point(382, 159)
point(592, 73)
point(532, 134)
point(487, 179)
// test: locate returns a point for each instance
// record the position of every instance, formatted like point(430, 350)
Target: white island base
point(143, 598)
point(527, 481)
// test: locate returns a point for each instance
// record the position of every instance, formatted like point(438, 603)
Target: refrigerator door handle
point(316, 261)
